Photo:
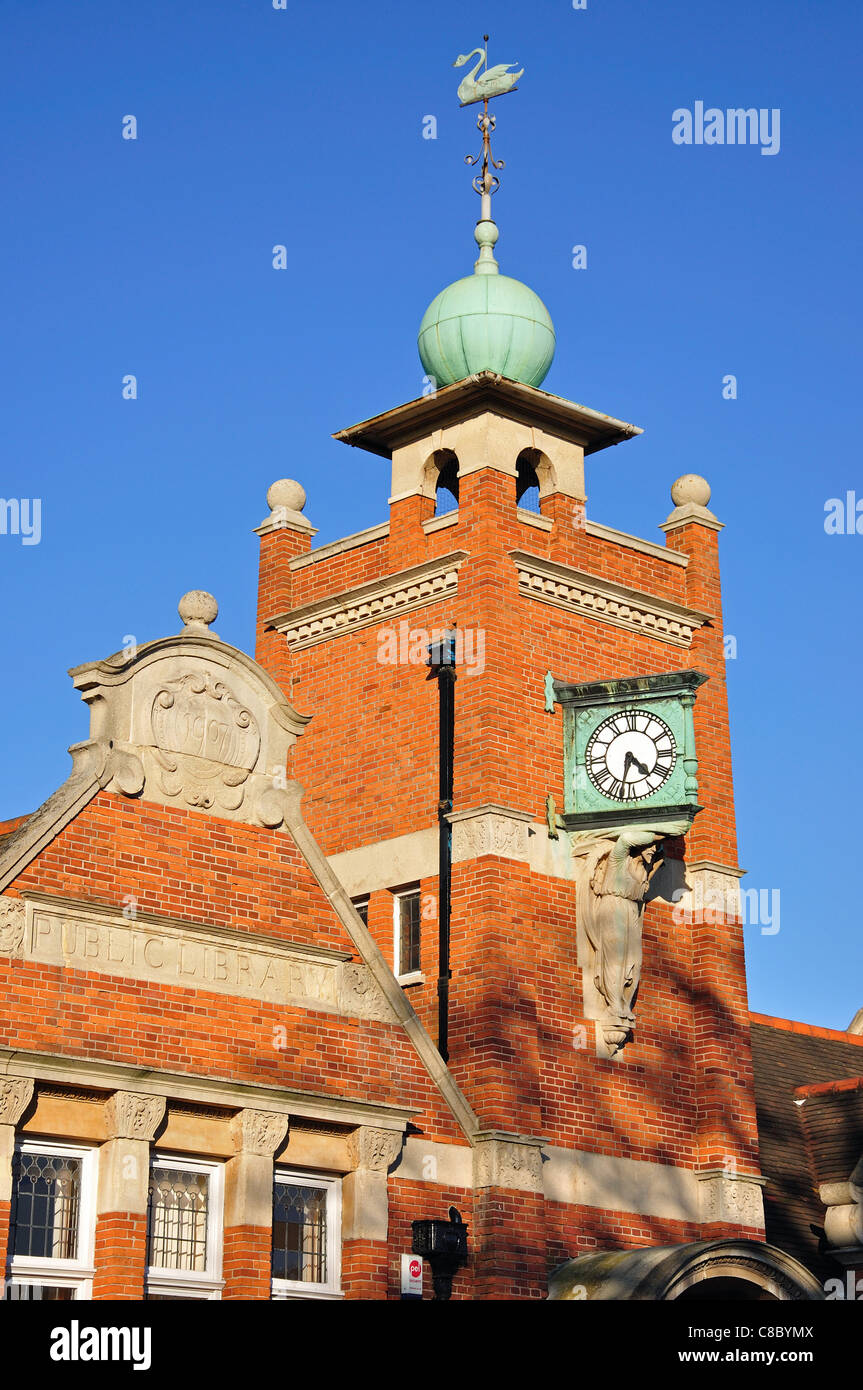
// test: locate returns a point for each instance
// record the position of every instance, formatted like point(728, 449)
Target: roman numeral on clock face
point(630, 755)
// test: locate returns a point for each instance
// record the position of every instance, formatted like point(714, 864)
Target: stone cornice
point(491, 808)
point(487, 391)
point(369, 604)
point(709, 865)
point(579, 592)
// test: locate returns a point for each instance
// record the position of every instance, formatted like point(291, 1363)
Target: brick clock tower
point(540, 919)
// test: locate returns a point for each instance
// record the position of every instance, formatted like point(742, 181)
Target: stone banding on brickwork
point(186, 955)
point(578, 592)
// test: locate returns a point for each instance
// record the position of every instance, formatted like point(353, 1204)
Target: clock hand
point(631, 761)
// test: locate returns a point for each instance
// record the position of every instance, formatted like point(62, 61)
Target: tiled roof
point(788, 1056)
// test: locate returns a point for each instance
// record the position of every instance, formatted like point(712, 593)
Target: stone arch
point(534, 478)
point(736, 1270)
point(440, 480)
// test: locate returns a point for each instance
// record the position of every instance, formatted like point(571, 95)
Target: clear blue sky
point(304, 127)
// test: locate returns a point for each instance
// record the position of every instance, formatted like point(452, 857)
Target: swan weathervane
point(493, 82)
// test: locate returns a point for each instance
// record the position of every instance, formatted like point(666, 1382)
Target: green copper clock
point(629, 747)
point(630, 755)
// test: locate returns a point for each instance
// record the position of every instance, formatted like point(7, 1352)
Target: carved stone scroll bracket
point(843, 1221)
point(259, 1132)
point(129, 1115)
point(123, 772)
point(507, 1160)
point(274, 805)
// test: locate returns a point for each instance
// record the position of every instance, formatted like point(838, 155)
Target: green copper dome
point(486, 322)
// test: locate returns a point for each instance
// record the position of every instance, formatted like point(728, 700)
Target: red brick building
point(220, 939)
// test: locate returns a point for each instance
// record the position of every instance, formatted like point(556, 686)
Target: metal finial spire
point(482, 86)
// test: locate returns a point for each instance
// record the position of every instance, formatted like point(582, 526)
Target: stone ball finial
point(198, 609)
point(691, 487)
point(287, 494)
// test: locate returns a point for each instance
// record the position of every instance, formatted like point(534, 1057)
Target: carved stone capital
point(507, 1161)
point(132, 1116)
point(258, 1132)
point(489, 830)
point(732, 1198)
point(15, 1095)
point(374, 1149)
point(12, 924)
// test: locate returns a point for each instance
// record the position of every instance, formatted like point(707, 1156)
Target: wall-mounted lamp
point(444, 1245)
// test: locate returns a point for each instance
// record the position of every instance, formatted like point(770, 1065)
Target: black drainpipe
point(442, 662)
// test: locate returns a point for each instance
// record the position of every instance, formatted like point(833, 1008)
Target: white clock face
point(630, 755)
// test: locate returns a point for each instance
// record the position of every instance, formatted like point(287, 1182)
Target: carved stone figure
point(610, 902)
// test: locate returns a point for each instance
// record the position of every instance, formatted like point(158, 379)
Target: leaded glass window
point(300, 1233)
point(46, 1200)
point(51, 1221)
point(306, 1236)
point(177, 1218)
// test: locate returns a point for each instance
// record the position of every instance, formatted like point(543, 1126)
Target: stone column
point(257, 1134)
point(365, 1211)
point(120, 1255)
point(15, 1096)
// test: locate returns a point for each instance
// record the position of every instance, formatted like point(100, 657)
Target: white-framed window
point(52, 1221)
point(307, 1235)
point(407, 936)
point(184, 1228)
